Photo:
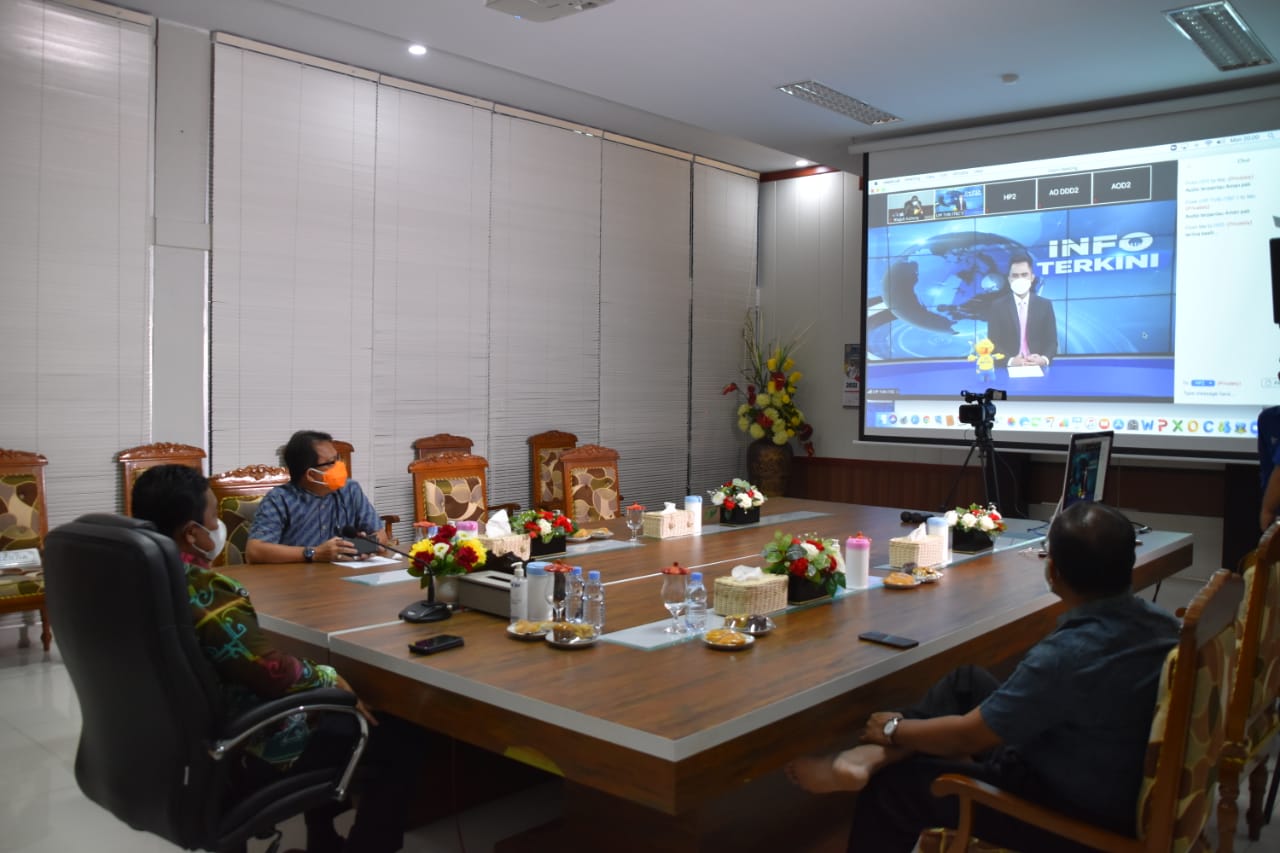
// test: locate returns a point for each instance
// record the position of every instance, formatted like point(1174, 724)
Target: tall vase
point(769, 466)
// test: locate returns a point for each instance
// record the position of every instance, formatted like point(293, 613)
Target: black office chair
point(153, 744)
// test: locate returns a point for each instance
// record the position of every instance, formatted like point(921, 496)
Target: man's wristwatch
point(308, 554)
point(891, 727)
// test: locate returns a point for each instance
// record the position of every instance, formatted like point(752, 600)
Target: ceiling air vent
point(543, 10)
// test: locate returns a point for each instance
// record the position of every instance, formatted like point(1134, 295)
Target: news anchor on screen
point(1021, 323)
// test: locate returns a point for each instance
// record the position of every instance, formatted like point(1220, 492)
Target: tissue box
point(664, 525)
point(512, 543)
point(928, 551)
point(753, 596)
point(487, 591)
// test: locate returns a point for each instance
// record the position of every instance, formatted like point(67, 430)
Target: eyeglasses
point(328, 464)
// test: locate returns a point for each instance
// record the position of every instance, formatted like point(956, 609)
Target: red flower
point(815, 543)
point(779, 378)
point(730, 388)
point(799, 567)
point(751, 395)
point(764, 420)
point(445, 533)
point(730, 503)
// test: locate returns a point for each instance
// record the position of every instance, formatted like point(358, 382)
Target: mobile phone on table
point(888, 639)
point(435, 643)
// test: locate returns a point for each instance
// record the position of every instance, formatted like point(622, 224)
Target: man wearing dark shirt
point(1067, 729)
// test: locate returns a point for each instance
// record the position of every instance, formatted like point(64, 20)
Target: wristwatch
point(891, 727)
point(308, 554)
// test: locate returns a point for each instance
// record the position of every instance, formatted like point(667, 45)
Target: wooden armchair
point(546, 479)
point(451, 487)
point(24, 522)
point(1183, 751)
point(440, 444)
point(239, 493)
point(591, 483)
point(135, 460)
point(1253, 719)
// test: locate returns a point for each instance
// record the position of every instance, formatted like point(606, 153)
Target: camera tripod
point(986, 450)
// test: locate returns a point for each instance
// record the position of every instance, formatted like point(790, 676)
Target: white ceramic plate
point(516, 635)
point(888, 585)
point(602, 533)
point(730, 647)
point(575, 643)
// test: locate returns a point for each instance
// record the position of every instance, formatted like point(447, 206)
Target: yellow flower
point(743, 409)
point(743, 424)
point(762, 400)
point(771, 413)
point(795, 420)
point(772, 386)
point(787, 365)
point(786, 398)
point(757, 431)
point(796, 377)
point(772, 364)
point(791, 433)
point(779, 438)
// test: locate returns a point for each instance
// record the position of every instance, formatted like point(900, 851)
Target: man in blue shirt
point(1067, 729)
point(301, 520)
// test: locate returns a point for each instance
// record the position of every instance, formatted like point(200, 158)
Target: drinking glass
point(673, 593)
point(635, 520)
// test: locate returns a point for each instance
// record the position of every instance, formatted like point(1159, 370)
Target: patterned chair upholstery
point(239, 493)
point(1183, 750)
point(591, 483)
point(546, 479)
point(440, 444)
point(23, 524)
point(449, 487)
point(135, 460)
point(1252, 716)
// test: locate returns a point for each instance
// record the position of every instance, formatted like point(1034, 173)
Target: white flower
point(968, 520)
point(744, 501)
point(951, 518)
point(441, 548)
point(810, 550)
point(717, 498)
point(544, 526)
point(986, 523)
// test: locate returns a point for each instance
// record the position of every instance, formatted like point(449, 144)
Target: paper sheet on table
point(1025, 371)
point(367, 562)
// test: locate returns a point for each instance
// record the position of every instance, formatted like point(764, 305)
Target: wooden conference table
point(666, 748)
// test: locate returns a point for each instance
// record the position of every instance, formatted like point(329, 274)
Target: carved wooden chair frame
point(538, 444)
point(135, 460)
point(22, 462)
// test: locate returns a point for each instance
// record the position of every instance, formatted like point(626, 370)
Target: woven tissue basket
point(512, 543)
point(753, 597)
point(921, 552)
point(664, 525)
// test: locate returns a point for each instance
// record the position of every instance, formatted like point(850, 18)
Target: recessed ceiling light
point(418, 49)
point(824, 96)
point(800, 164)
point(1219, 31)
point(1009, 79)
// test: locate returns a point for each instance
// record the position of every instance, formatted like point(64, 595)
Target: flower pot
point(738, 515)
point(969, 541)
point(802, 589)
point(447, 589)
point(539, 550)
point(769, 466)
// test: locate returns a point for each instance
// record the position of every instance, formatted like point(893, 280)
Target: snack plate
point(575, 643)
point(755, 626)
point(578, 541)
point(888, 585)
point(602, 533)
point(729, 647)
point(929, 577)
point(533, 635)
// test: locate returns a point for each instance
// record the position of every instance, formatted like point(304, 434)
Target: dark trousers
point(896, 805)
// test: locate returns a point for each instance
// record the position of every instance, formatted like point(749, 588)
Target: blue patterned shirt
point(290, 515)
point(1078, 707)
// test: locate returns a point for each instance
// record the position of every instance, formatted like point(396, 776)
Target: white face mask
point(219, 537)
point(1020, 286)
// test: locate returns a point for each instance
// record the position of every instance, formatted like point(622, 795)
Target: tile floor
point(42, 810)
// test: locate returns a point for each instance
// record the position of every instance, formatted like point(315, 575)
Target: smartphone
point(888, 639)
point(435, 643)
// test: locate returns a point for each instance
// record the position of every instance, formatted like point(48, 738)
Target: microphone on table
point(429, 610)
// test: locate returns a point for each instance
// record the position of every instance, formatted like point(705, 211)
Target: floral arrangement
point(816, 560)
point(545, 524)
point(446, 553)
point(977, 518)
point(768, 407)
point(737, 494)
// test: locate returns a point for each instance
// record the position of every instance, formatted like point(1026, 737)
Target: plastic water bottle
point(695, 604)
point(573, 596)
point(519, 595)
point(693, 503)
point(593, 600)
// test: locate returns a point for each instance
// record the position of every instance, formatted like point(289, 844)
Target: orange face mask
point(335, 477)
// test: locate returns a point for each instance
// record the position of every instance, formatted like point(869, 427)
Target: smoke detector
point(541, 11)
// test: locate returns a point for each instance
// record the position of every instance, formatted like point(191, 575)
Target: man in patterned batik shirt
point(178, 501)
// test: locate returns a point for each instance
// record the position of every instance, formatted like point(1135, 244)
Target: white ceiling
point(701, 75)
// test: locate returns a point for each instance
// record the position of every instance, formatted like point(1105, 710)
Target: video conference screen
point(1125, 290)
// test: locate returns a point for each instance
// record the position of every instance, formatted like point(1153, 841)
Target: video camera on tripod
point(979, 410)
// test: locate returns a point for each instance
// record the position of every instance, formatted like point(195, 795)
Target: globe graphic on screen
point(940, 289)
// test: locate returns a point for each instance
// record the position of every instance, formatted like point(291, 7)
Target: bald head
point(1092, 548)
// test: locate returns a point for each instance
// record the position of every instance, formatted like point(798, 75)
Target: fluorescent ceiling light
point(1219, 31)
point(824, 96)
point(418, 50)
